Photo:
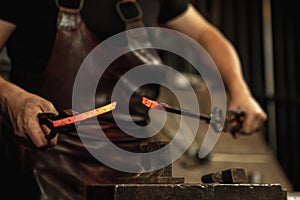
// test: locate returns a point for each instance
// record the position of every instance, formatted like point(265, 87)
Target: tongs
point(233, 119)
point(67, 120)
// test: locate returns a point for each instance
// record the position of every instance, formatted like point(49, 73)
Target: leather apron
point(64, 171)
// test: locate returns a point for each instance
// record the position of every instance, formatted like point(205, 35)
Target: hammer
point(228, 176)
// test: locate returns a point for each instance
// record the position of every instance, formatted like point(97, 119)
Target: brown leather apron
point(64, 171)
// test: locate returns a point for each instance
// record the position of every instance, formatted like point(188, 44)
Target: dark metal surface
point(187, 192)
point(152, 180)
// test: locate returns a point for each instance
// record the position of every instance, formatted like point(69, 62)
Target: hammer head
point(228, 176)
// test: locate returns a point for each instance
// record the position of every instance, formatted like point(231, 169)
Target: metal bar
point(83, 116)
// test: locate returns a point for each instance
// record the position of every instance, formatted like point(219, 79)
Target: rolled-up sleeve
point(10, 10)
point(171, 9)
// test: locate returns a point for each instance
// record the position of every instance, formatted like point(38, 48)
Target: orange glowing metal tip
point(83, 116)
point(150, 103)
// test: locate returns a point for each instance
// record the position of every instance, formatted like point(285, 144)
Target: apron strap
point(81, 2)
point(69, 19)
point(131, 20)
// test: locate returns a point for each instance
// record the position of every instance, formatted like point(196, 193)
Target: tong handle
point(47, 118)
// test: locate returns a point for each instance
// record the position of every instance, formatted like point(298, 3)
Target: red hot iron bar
point(65, 121)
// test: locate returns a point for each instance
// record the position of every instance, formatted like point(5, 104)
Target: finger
point(49, 107)
point(47, 131)
point(37, 134)
point(263, 118)
point(251, 124)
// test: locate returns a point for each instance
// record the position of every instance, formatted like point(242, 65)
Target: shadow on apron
point(64, 171)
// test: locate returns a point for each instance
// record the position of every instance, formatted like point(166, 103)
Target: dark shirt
point(31, 44)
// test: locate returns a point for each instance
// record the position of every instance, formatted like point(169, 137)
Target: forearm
point(227, 60)
point(4, 88)
point(8, 92)
point(193, 24)
point(6, 29)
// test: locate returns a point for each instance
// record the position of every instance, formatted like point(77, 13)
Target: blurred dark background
point(265, 35)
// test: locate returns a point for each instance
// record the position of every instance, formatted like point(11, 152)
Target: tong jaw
point(233, 121)
point(48, 118)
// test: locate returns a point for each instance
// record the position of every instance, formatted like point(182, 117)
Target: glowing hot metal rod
point(65, 121)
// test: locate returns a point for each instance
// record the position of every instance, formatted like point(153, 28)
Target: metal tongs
point(67, 120)
point(233, 119)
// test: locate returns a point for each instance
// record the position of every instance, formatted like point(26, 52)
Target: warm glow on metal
point(150, 103)
point(85, 115)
